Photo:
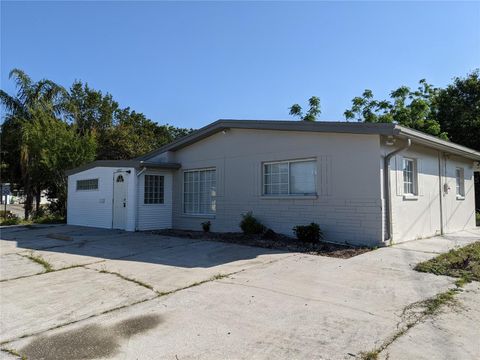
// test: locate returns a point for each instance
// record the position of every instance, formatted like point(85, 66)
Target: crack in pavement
point(52, 271)
point(156, 296)
point(303, 298)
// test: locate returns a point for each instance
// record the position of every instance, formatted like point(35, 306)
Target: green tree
point(54, 147)
point(47, 130)
point(121, 133)
point(313, 112)
point(17, 159)
point(458, 110)
point(411, 108)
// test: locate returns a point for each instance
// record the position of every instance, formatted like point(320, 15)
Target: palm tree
point(31, 97)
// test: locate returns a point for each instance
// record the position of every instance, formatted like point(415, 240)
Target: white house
point(362, 183)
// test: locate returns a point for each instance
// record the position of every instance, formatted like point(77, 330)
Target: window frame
point(289, 194)
point(414, 172)
point(460, 182)
point(214, 198)
point(89, 189)
point(145, 188)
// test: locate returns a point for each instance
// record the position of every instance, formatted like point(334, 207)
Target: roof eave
point(434, 142)
point(122, 164)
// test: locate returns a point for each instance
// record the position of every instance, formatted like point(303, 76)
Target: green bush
point(250, 225)
point(40, 213)
point(49, 219)
point(3, 212)
point(477, 217)
point(206, 226)
point(10, 219)
point(308, 233)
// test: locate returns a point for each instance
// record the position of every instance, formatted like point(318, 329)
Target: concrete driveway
point(70, 292)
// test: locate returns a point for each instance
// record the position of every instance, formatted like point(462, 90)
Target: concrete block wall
point(348, 205)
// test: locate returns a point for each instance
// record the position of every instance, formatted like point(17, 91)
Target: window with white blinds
point(199, 192)
point(409, 177)
point(296, 177)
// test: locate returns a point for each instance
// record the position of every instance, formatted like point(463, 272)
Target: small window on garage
point(87, 184)
point(410, 177)
point(460, 181)
point(154, 189)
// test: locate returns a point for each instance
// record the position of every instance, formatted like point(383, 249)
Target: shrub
point(3, 212)
point(49, 219)
point(250, 225)
point(308, 233)
point(269, 234)
point(206, 226)
point(477, 217)
point(41, 212)
point(10, 219)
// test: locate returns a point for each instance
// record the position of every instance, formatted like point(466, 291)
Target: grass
point(39, 260)
point(13, 219)
point(138, 282)
point(463, 263)
point(411, 317)
point(14, 353)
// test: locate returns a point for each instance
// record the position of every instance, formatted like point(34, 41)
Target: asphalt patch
point(90, 341)
point(60, 237)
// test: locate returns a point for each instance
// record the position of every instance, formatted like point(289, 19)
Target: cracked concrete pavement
point(266, 304)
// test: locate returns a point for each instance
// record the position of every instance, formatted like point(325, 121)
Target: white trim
point(144, 188)
point(414, 181)
point(460, 188)
point(289, 195)
point(185, 214)
point(82, 190)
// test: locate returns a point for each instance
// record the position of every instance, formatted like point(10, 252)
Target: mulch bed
point(277, 242)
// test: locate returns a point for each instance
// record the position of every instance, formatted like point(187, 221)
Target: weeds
point(41, 261)
point(411, 317)
point(14, 353)
point(138, 282)
point(463, 263)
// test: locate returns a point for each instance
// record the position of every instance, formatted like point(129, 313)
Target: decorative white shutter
point(399, 175)
point(420, 177)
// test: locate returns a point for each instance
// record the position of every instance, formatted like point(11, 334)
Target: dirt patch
point(88, 342)
point(276, 241)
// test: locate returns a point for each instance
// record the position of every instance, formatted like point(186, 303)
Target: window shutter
point(399, 175)
point(420, 177)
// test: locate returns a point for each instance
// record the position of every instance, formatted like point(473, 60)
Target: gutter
point(136, 197)
point(386, 189)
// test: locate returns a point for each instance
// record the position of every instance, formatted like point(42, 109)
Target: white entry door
point(119, 200)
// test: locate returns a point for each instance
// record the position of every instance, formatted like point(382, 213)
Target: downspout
point(136, 199)
point(387, 192)
point(440, 191)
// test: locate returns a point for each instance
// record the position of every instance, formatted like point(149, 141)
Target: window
point(290, 178)
point(409, 177)
point(154, 189)
point(199, 192)
point(88, 184)
point(460, 181)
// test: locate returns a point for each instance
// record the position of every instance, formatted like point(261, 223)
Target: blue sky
point(190, 63)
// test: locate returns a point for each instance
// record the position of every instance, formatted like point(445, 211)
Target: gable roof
point(387, 129)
